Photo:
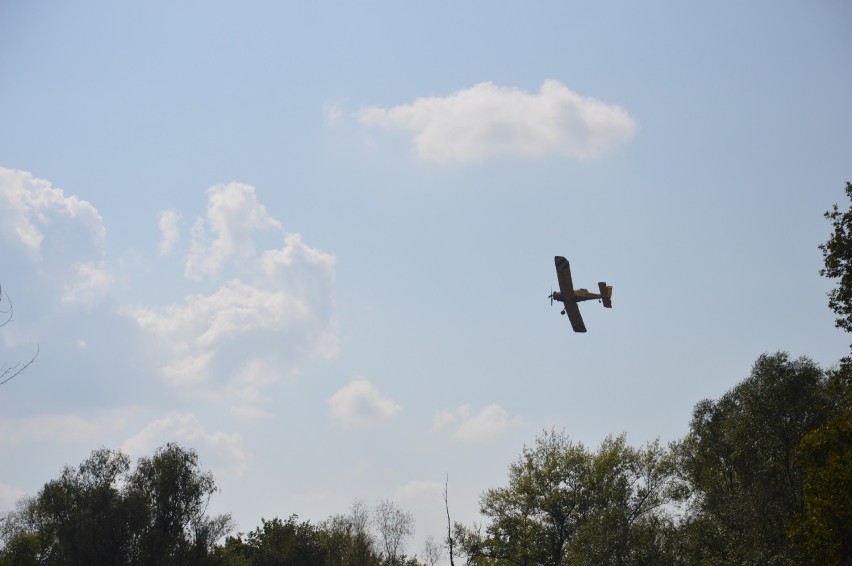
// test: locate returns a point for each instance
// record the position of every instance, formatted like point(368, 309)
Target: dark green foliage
point(824, 529)
point(101, 513)
point(277, 543)
point(738, 462)
point(837, 255)
point(170, 493)
point(338, 541)
point(347, 542)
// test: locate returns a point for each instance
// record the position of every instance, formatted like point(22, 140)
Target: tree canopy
point(102, 513)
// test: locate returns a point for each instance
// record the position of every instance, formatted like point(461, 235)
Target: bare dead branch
point(449, 529)
point(7, 373)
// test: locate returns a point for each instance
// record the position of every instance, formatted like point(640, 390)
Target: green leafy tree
point(837, 256)
point(78, 518)
point(101, 513)
point(738, 460)
point(469, 543)
point(824, 528)
point(347, 544)
point(347, 539)
point(171, 493)
point(627, 488)
point(277, 543)
point(340, 540)
point(567, 505)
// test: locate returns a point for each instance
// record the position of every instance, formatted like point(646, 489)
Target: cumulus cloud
point(191, 332)
point(359, 404)
point(487, 120)
point(29, 205)
point(169, 229)
point(233, 216)
point(63, 234)
point(470, 426)
point(275, 310)
point(225, 450)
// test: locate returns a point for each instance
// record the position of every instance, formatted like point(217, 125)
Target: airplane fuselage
point(580, 295)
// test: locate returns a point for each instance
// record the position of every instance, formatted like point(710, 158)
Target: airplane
point(570, 296)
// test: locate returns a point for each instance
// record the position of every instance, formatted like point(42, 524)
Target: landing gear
point(563, 312)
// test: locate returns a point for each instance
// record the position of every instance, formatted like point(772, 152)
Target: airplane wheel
point(563, 312)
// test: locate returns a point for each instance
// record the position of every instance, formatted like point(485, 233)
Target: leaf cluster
point(837, 256)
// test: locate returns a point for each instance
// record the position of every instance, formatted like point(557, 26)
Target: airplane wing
point(566, 289)
point(573, 312)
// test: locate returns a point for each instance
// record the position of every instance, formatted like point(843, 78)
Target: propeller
point(551, 296)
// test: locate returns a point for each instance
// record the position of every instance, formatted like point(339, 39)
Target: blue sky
point(315, 242)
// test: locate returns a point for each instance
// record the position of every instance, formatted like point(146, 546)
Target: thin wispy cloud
point(468, 425)
point(333, 113)
point(92, 280)
point(170, 230)
point(225, 451)
point(359, 404)
point(487, 120)
point(65, 427)
point(419, 490)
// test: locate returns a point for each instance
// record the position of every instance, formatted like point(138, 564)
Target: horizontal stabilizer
point(606, 292)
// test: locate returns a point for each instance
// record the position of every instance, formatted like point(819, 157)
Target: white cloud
point(233, 215)
point(226, 450)
point(192, 332)
point(188, 369)
point(29, 205)
point(169, 229)
point(92, 280)
point(359, 404)
point(258, 372)
point(486, 120)
point(63, 234)
point(488, 422)
point(275, 312)
point(273, 262)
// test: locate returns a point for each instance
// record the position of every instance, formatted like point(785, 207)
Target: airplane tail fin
point(606, 291)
